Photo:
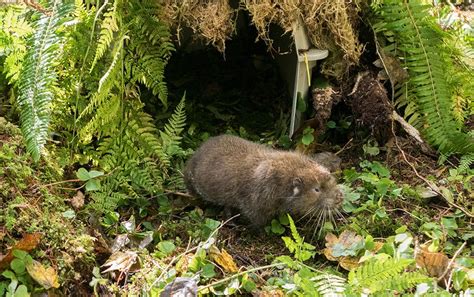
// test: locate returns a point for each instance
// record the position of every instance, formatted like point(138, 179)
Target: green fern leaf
point(329, 284)
point(466, 162)
point(38, 77)
point(427, 96)
point(171, 135)
point(109, 26)
point(384, 276)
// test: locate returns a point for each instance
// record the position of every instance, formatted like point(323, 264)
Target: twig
point(61, 182)
point(237, 275)
point(179, 194)
point(344, 147)
point(451, 262)
point(430, 184)
point(412, 131)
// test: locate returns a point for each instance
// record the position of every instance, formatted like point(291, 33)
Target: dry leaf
point(181, 287)
point(434, 263)
point(223, 259)
point(349, 263)
point(27, 243)
point(121, 261)
point(344, 248)
point(347, 244)
point(78, 200)
point(46, 277)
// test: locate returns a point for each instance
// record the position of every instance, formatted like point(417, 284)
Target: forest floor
point(400, 202)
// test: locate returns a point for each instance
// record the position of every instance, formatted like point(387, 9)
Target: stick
point(430, 184)
point(452, 261)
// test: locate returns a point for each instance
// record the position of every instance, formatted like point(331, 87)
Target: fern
point(38, 77)
point(427, 96)
point(384, 276)
point(13, 32)
point(466, 162)
point(109, 26)
point(171, 135)
point(301, 249)
point(329, 284)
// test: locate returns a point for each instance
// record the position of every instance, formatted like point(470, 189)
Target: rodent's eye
point(317, 190)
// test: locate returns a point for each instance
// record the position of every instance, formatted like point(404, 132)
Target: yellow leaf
point(434, 263)
point(223, 259)
point(46, 277)
point(349, 263)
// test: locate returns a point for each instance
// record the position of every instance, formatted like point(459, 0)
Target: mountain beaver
point(258, 181)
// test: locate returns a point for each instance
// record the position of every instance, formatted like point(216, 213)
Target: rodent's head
point(314, 189)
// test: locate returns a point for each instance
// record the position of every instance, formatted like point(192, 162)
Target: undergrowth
point(103, 209)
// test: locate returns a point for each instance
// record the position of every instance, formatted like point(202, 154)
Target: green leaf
point(166, 247)
point(277, 228)
point(307, 139)
point(331, 124)
point(208, 271)
point(94, 174)
point(9, 274)
point(69, 214)
point(248, 284)
point(92, 185)
point(18, 266)
point(38, 77)
point(21, 291)
point(212, 224)
point(20, 254)
point(82, 174)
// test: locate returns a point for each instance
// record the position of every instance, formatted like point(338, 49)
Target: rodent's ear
point(297, 186)
point(297, 182)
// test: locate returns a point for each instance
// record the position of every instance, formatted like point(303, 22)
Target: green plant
point(90, 178)
point(19, 283)
point(384, 277)
point(38, 77)
point(414, 36)
point(302, 250)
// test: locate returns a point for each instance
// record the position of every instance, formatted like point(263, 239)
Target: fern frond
point(148, 52)
point(13, 32)
point(106, 83)
point(329, 284)
point(466, 162)
point(378, 276)
point(418, 42)
point(171, 135)
point(108, 28)
point(38, 77)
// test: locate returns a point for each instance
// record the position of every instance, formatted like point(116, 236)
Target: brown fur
point(258, 181)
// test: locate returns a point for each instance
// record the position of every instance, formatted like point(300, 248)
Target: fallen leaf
point(78, 200)
point(434, 263)
point(223, 259)
point(27, 243)
point(180, 287)
point(119, 242)
point(349, 263)
point(121, 261)
point(347, 244)
point(46, 277)
point(344, 249)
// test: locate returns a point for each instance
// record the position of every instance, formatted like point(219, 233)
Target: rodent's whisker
point(307, 213)
point(340, 215)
